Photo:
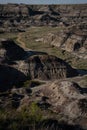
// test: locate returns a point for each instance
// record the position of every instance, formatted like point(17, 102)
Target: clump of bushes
point(31, 118)
point(27, 117)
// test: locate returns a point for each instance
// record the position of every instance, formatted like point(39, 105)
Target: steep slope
point(9, 51)
point(48, 67)
point(10, 77)
point(65, 97)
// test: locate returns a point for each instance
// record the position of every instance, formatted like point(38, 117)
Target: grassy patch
point(34, 33)
point(9, 35)
point(32, 83)
point(30, 39)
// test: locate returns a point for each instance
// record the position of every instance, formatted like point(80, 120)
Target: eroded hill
point(17, 17)
point(31, 64)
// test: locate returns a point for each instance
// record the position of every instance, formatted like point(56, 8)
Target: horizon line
point(44, 4)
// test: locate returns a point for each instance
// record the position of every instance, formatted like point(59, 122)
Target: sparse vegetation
point(9, 35)
point(33, 33)
point(32, 83)
point(30, 39)
point(31, 118)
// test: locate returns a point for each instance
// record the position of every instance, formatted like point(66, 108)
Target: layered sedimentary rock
point(20, 16)
point(48, 67)
point(31, 64)
point(71, 40)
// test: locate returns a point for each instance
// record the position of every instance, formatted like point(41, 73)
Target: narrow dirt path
point(22, 44)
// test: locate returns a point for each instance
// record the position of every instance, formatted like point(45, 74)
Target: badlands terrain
point(43, 67)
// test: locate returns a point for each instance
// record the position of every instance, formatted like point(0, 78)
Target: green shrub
point(35, 113)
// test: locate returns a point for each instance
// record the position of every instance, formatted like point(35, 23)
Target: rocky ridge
point(16, 17)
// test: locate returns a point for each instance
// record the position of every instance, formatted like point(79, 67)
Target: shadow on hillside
point(9, 77)
point(81, 90)
point(31, 53)
point(52, 124)
point(82, 72)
